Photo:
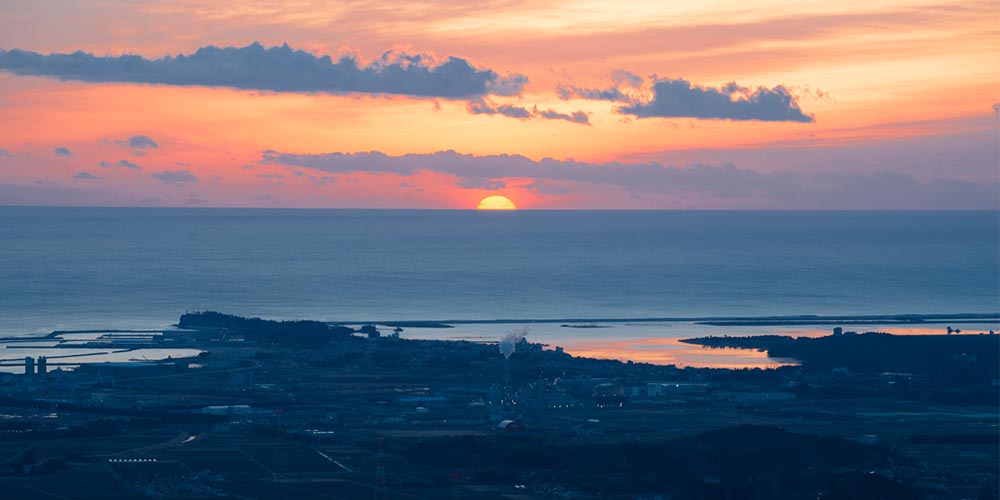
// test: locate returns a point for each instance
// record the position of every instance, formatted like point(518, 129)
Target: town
point(268, 409)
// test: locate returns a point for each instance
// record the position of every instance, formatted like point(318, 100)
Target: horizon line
point(436, 209)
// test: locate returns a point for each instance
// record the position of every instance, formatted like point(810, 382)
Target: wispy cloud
point(547, 188)
point(175, 176)
point(486, 107)
point(86, 176)
point(278, 69)
point(727, 184)
point(138, 142)
point(575, 116)
point(267, 198)
point(61, 151)
point(481, 183)
point(483, 107)
point(567, 92)
point(120, 163)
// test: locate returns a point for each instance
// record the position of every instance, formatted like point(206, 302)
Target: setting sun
point(496, 203)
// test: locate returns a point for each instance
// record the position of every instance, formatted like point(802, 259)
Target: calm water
point(107, 268)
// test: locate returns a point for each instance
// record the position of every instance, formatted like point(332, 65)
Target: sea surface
point(82, 268)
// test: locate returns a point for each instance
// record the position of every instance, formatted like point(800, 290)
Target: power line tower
point(381, 491)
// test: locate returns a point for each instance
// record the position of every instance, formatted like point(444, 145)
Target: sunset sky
point(440, 103)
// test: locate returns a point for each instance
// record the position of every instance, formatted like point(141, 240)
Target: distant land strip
point(800, 320)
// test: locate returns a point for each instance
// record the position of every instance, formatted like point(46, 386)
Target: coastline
point(661, 340)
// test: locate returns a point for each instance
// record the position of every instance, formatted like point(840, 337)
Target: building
point(665, 389)
point(228, 410)
point(120, 370)
point(29, 366)
point(510, 426)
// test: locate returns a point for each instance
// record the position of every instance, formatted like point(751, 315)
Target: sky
point(594, 104)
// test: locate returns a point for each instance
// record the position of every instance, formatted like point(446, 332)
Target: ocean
point(80, 268)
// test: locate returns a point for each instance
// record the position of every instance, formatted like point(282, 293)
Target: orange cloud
point(890, 70)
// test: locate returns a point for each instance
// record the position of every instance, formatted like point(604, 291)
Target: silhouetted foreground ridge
point(742, 462)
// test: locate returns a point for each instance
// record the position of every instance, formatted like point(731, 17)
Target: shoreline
point(587, 323)
point(652, 342)
point(798, 320)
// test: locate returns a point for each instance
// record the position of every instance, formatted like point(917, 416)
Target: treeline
point(301, 333)
point(744, 462)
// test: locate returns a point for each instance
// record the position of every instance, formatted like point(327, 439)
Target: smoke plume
point(509, 342)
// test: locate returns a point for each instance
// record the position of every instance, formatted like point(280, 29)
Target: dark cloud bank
point(678, 98)
point(283, 69)
point(724, 185)
point(279, 69)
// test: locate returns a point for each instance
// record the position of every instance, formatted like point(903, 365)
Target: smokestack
point(507, 346)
